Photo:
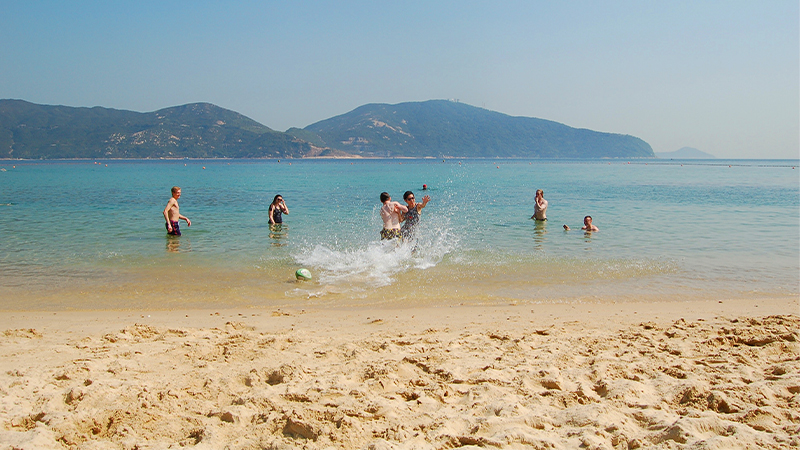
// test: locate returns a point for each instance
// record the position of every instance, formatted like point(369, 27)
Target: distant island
point(435, 128)
point(685, 153)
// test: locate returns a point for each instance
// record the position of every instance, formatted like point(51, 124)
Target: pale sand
point(666, 375)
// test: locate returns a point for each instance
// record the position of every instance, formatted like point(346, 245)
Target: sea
point(90, 235)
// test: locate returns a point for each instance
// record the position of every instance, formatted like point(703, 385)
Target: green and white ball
point(303, 274)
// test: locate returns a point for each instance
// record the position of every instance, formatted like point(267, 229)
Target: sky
point(719, 76)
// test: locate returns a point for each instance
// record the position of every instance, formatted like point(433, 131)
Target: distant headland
point(434, 128)
point(685, 153)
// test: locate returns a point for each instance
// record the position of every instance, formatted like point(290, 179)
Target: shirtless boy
point(587, 225)
point(390, 213)
point(172, 213)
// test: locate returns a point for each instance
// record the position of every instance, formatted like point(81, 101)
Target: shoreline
point(624, 313)
point(693, 374)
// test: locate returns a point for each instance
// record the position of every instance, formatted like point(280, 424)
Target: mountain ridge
point(433, 128)
point(454, 129)
point(197, 130)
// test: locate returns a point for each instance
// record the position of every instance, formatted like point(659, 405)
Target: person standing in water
point(539, 206)
point(390, 213)
point(411, 218)
point(276, 210)
point(172, 214)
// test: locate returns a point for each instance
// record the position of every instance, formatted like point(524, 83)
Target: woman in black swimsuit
point(276, 210)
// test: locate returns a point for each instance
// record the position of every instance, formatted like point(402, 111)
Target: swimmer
point(172, 213)
point(587, 225)
point(390, 213)
point(539, 206)
point(276, 210)
point(411, 218)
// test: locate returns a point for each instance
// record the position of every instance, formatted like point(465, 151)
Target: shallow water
point(90, 235)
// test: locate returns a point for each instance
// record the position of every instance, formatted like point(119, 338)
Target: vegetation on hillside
point(198, 130)
point(201, 130)
point(446, 128)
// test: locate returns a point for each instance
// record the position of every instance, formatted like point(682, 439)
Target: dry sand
point(695, 374)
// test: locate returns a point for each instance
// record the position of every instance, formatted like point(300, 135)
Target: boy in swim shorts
point(390, 213)
point(172, 214)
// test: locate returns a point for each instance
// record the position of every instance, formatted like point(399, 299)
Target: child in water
point(390, 213)
point(587, 225)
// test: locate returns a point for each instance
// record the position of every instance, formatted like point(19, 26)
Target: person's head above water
point(407, 194)
point(385, 196)
point(277, 199)
point(587, 220)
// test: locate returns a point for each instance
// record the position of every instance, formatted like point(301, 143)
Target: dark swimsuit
point(277, 215)
point(176, 229)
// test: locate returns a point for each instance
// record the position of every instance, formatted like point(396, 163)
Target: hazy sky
point(721, 76)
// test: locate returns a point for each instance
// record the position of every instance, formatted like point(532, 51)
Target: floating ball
point(303, 274)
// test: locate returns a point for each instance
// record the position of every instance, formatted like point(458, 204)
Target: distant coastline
point(685, 153)
point(653, 161)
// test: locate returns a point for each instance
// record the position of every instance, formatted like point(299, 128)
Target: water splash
point(364, 264)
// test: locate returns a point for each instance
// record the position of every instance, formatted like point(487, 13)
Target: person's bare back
point(390, 213)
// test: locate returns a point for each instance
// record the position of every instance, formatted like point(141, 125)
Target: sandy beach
point(700, 374)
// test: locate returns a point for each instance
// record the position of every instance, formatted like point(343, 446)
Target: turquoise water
point(90, 234)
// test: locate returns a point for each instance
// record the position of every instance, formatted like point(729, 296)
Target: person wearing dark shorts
point(176, 229)
point(172, 214)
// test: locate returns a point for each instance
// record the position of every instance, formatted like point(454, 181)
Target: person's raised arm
point(425, 201)
point(284, 207)
point(399, 207)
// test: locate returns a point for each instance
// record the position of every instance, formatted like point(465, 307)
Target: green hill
point(445, 128)
point(198, 130)
point(434, 128)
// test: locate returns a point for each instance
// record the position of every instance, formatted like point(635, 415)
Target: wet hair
point(587, 217)
point(407, 194)
point(276, 198)
point(175, 189)
point(385, 196)
point(539, 191)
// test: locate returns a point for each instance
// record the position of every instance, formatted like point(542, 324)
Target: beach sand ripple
point(709, 384)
